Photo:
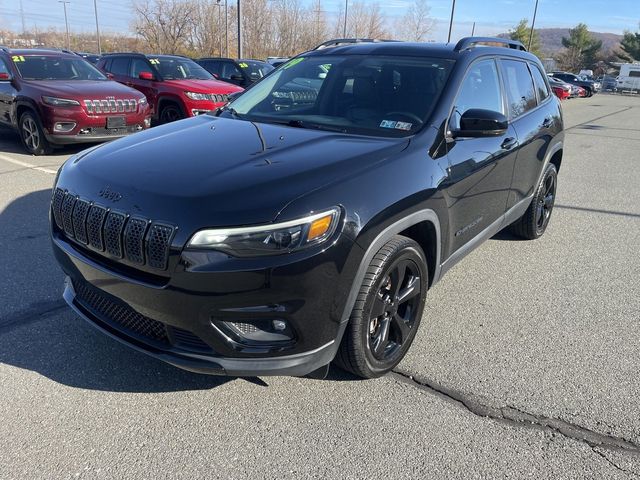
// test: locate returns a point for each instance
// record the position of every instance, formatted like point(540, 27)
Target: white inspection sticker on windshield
point(396, 125)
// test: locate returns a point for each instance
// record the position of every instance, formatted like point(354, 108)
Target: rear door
point(7, 94)
point(147, 87)
point(480, 169)
point(535, 116)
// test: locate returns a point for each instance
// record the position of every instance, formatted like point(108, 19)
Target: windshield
point(50, 67)
point(256, 70)
point(370, 95)
point(178, 68)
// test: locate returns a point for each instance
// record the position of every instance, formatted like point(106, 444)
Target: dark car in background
point(53, 97)
point(258, 240)
point(89, 57)
point(175, 86)
point(241, 72)
point(588, 85)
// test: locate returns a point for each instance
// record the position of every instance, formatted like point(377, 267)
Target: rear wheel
point(387, 311)
point(535, 220)
point(32, 134)
point(170, 113)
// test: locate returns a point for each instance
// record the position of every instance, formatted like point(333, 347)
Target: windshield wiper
point(316, 126)
point(231, 110)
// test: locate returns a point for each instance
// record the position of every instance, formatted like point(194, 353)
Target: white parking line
point(28, 165)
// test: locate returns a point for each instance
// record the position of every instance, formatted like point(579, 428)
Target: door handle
point(509, 143)
point(547, 122)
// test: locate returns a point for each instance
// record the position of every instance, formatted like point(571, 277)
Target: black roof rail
point(470, 42)
point(344, 41)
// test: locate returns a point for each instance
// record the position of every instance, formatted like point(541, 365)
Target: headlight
point(199, 96)
point(59, 102)
point(272, 239)
point(142, 101)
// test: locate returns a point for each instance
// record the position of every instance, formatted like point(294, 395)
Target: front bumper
point(188, 305)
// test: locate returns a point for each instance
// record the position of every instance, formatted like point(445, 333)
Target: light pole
point(239, 30)
point(66, 21)
point(453, 9)
point(533, 23)
point(226, 30)
point(95, 8)
point(346, 10)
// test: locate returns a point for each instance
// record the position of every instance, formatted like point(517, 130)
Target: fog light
point(147, 122)
point(64, 126)
point(279, 325)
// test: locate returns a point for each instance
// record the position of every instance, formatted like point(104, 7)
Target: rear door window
point(139, 65)
point(538, 80)
point(521, 95)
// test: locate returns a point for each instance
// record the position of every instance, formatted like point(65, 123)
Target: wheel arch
point(166, 98)
point(22, 105)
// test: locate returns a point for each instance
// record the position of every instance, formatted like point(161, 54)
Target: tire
point(171, 112)
point(32, 134)
point(535, 220)
point(382, 325)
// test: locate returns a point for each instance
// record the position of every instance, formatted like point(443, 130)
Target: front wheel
point(32, 135)
point(387, 311)
point(170, 113)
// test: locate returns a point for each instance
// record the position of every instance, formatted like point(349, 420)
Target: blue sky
point(491, 16)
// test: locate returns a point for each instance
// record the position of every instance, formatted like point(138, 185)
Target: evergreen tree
point(581, 49)
point(630, 45)
point(521, 33)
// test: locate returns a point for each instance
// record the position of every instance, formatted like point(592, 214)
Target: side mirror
point(109, 75)
point(5, 77)
point(477, 122)
point(145, 76)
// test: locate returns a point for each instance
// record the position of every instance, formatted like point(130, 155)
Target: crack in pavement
point(612, 463)
point(35, 311)
point(516, 417)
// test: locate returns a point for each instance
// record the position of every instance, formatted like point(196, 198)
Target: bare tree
point(416, 24)
point(165, 25)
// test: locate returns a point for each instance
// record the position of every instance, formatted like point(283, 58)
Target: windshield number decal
point(154, 61)
point(293, 62)
point(17, 58)
point(243, 65)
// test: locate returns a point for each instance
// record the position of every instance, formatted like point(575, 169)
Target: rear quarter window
point(521, 96)
point(538, 80)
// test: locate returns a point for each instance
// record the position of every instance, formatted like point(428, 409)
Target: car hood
point(210, 171)
point(81, 89)
point(205, 86)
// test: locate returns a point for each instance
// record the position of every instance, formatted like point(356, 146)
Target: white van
point(629, 78)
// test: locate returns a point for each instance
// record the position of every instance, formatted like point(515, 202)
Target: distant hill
point(551, 39)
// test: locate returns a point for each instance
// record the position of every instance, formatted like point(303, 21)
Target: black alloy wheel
point(535, 219)
point(388, 310)
point(170, 113)
point(545, 203)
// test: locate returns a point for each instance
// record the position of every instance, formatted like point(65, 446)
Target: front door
point(480, 169)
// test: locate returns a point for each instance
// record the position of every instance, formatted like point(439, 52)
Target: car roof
point(216, 58)
point(466, 46)
point(39, 51)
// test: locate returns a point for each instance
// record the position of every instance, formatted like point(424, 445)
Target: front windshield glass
point(363, 94)
point(178, 68)
point(50, 67)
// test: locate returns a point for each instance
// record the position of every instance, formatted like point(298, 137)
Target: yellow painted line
point(27, 165)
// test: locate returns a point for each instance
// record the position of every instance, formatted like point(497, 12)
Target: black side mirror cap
point(477, 122)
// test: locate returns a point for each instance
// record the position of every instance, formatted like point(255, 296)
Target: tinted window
point(120, 66)
point(256, 70)
point(229, 69)
point(538, 80)
point(480, 89)
point(364, 94)
point(211, 66)
point(521, 95)
point(3, 67)
point(139, 65)
point(634, 73)
point(51, 67)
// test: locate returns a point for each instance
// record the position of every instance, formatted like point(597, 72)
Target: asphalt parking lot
point(526, 364)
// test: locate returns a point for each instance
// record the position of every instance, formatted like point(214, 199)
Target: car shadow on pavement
point(10, 143)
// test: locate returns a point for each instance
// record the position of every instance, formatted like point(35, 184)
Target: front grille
point(126, 318)
point(110, 106)
point(136, 239)
point(121, 314)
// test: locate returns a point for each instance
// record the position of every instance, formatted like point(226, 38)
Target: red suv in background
point(176, 87)
point(54, 97)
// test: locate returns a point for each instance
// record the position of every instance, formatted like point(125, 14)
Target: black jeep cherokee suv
point(279, 233)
